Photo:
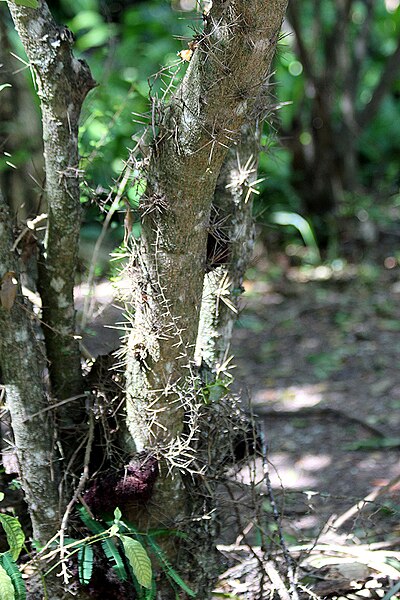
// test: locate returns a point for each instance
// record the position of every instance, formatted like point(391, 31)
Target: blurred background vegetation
point(330, 170)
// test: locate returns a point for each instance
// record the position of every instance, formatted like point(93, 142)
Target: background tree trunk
point(23, 372)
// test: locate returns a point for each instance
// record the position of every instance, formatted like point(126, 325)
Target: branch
point(22, 370)
point(335, 43)
point(304, 54)
point(62, 84)
point(388, 77)
point(360, 49)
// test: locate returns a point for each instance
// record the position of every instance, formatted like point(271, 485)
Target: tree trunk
point(217, 97)
point(23, 372)
point(62, 84)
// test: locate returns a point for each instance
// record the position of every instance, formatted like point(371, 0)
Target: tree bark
point(62, 84)
point(218, 95)
point(233, 229)
point(23, 371)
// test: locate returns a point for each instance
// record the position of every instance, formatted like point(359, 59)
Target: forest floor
point(317, 353)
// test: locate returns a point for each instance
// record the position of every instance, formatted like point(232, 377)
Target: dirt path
point(318, 354)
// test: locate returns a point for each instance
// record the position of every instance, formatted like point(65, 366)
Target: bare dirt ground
point(317, 352)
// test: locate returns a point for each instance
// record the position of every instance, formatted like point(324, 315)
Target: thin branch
point(360, 49)
point(304, 54)
point(388, 77)
point(79, 489)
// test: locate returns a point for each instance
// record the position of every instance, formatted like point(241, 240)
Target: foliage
point(12, 585)
point(306, 68)
point(127, 552)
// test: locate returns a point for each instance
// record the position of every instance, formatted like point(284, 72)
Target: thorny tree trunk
point(62, 83)
point(23, 372)
point(217, 97)
point(232, 242)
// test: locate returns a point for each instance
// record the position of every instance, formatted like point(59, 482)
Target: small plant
point(12, 586)
point(126, 550)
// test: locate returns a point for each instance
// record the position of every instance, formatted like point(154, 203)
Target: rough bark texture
point(23, 372)
point(217, 95)
point(62, 84)
point(233, 229)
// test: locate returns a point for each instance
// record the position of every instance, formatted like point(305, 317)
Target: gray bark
point(23, 372)
point(62, 84)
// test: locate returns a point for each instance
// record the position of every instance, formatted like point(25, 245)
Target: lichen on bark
point(62, 84)
point(23, 373)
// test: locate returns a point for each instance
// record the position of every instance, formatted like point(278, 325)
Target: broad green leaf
point(85, 564)
point(139, 561)
point(216, 392)
point(1, 496)
point(27, 3)
point(2, 87)
point(14, 533)
point(6, 587)
point(302, 226)
point(12, 570)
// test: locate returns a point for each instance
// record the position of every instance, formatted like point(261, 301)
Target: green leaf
point(10, 566)
point(113, 555)
point(85, 564)
point(109, 548)
point(393, 590)
point(27, 3)
point(117, 514)
point(2, 87)
point(151, 594)
point(6, 586)
point(1, 496)
point(139, 560)
point(94, 526)
point(303, 227)
point(375, 443)
point(216, 392)
point(14, 533)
